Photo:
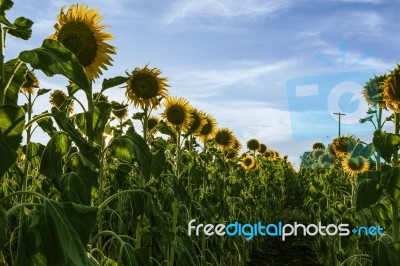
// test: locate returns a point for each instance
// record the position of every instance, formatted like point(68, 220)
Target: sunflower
point(101, 97)
point(263, 148)
point(177, 113)
point(374, 90)
point(60, 100)
point(30, 83)
point(79, 32)
point(269, 154)
point(249, 163)
point(119, 110)
point(253, 145)
point(197, 124)
point(318, 146)
point(209, 128)
point(343, 145)
point(231, 154)
point(224, 139)
point(236, 145)
point(152, 122)
point(317, 153)
point(391, 90)
point(145, 87)
point(354, 166)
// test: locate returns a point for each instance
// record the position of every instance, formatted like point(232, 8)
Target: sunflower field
point(118, 181)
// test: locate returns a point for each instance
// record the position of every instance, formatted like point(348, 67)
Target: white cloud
point(225, 9)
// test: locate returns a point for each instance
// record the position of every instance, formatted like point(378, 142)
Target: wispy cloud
point(225, 9)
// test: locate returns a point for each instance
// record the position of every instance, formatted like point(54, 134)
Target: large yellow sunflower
point(224, 139)
point(391, 90)
point(79, 32)
point(343, 145)
point(145, 87)
point(197, 123)
point(249, 163)
point(354, 166)
point(209, 128)
point(177, 113)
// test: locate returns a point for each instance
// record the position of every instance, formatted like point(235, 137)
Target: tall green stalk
point(395, 204)
point(2, 74)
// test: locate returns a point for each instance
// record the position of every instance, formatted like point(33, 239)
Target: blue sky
point(235, 58)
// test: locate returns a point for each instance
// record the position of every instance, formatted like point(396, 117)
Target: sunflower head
point(60, 100)
point(236, 145)
point(197, 123)
point(145, 87)
point(231, 155)
point(269, 154)
point(391, 90)
point(101, 97)
point(79, 32)
point(209, 128)
point(249, 163)
point(374, 90)
point(253, 145)
point(318, 146)
point(263, 148)
point(356, 165)
point(152, 122)
point(177, 113)
point(343, 145)
point(224, 139)
point(30, 84)
point(317, 153)
point(119, 110)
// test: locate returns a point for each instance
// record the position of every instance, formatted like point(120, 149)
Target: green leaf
point(387, 144)
point(55, 236)
point(100, 115)
point(157, 163)
point(53, 58)
point(43, 91)
point(35, 152)
point(5, 5)
point(367, 193)
point(3, 227)
point(163, 128)
point(88, 151)
point(12, 121)
point(380, 253)
point(53, 156)
point(17, 81)
point(46, 124)
point(391, 181)
point(77, 186)
point(112, 82)
point(82, 218)
point(381, 215)
point(21, 28)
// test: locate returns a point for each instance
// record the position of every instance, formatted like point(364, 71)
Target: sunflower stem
point(2, 44)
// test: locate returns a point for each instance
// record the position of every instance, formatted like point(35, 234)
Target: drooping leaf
point(5, 5)
point(53, 58)
point(82, 218)
point(18, 79)
point(157, 163)
point(88, 151)
point(367, 193)
point(163, 128)
point(33, 152)
point(53, 156)
point(391, 181)
point(43, 91)
point(21, 28)
point(380, 253)
point(12, 121)
point(99, 116)
point(46, 124)
point(77, 186)
point(387, 144)
point(3, 227)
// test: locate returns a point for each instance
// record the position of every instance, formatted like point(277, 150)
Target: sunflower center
point(176, 115)
point(223, 138)
point(248, 162)
point(206, 129)
point(356, 164)
point(77, 37)
point(152, 123)
point(144, 86)
point(195, 123)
